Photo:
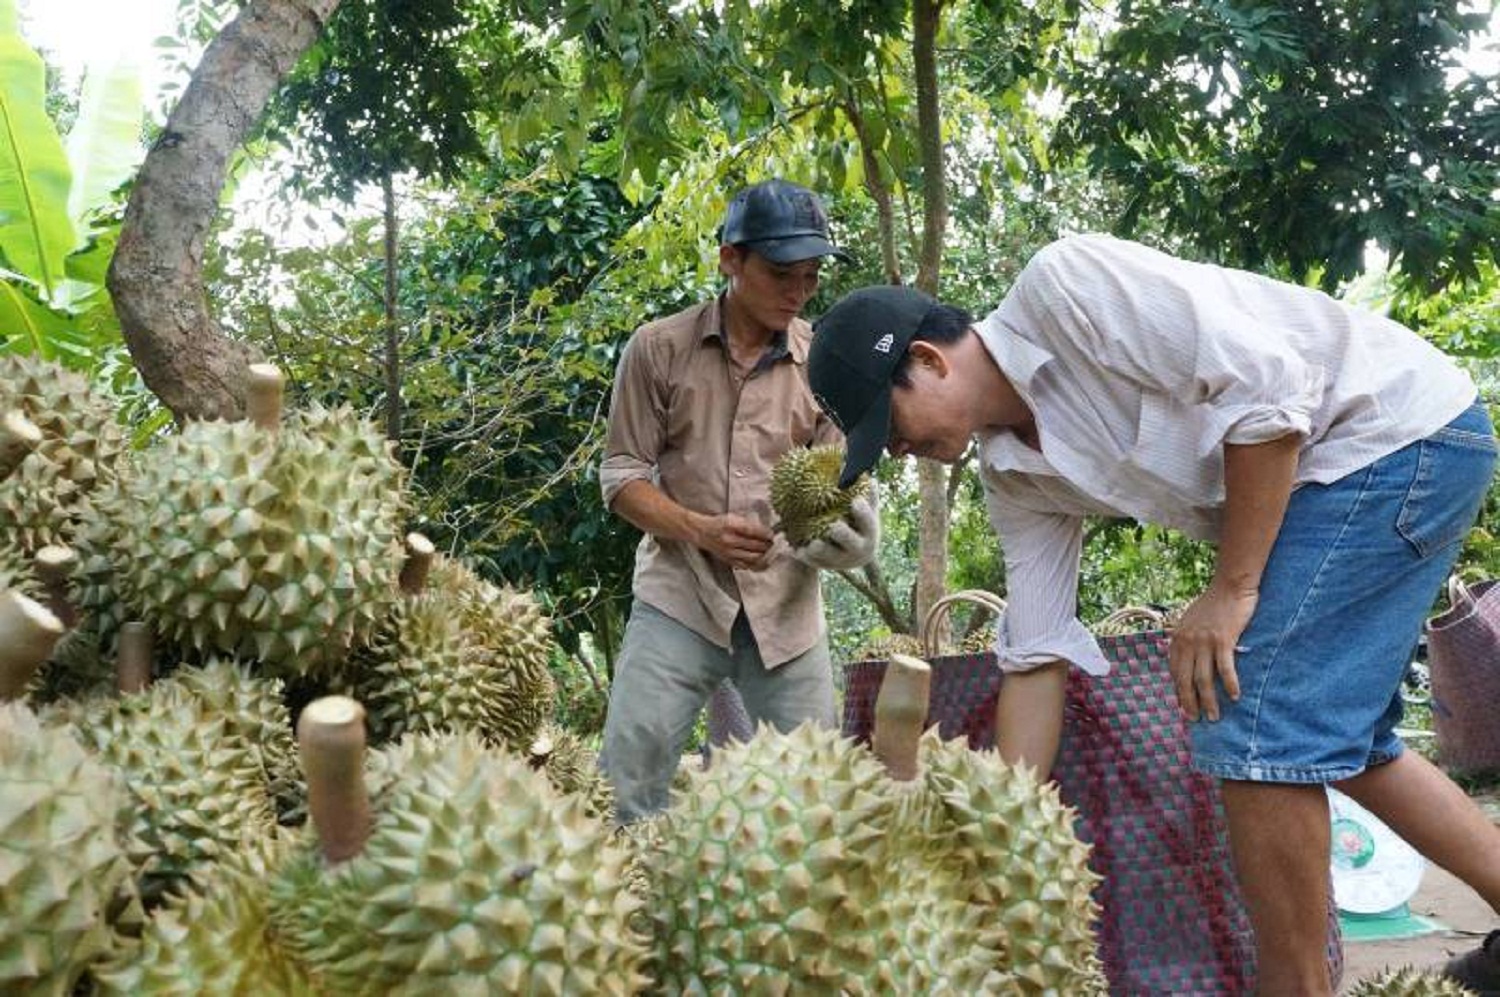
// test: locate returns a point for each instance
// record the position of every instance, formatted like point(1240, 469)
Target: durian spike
point(264, 395)
point(900, 714)
point(54, 565)
point(331, 736)
point(133, 666)
point(419, 556)
point(28, 632)
point(18, 437)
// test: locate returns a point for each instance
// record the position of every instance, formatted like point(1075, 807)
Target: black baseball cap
point(855, 349)
point(780, 220)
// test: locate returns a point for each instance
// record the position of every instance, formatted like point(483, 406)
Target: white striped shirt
point(1138, 368)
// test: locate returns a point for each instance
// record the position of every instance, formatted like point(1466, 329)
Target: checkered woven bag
point(1172, 919)
point(1463, 655)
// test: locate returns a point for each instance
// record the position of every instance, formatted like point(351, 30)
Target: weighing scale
point(1375, 875)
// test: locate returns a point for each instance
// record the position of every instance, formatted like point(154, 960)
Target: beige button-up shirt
point(1139, 368)
point(685, 418)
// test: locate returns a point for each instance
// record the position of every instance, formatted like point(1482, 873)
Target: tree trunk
point(879, 192)
point(156, 277)
point(932, 478)
point(392, 326)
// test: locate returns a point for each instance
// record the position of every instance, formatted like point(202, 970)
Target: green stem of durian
point(264, 396)
point(133, 666)
point(18, 437)
point(28, 633)
point(419, 556)
point(54, 566)
point(331, 736)
point(900, 715)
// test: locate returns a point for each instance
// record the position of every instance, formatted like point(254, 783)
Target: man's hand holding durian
point(849, 542)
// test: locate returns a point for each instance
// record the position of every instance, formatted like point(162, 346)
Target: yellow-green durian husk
point(216, 939)
point(66, 889)
point(477, 878)
point(514, 636)
point(1008, 841)
point(280, 546)
point(197, 787)
point(15, 570)
point(423, 673)
point(805, 492)
point(573, 767)
point(255, 708)
point(78, 668)
point(772, 867)
point(41, 500)
point(1408, 982)
point(882, 648)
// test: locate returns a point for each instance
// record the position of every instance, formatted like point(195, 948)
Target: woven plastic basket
point(1172, 919)
point(1463, 656)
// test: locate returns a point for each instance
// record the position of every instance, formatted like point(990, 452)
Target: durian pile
point(172, 616)
point(1408, 982)
point(805, 492)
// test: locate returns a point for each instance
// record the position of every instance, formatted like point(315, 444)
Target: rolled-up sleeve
point(637, 421)
point(1041, 570)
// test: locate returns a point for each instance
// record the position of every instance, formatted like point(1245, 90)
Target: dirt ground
point(1466, 918)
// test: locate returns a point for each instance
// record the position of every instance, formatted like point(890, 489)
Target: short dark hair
point(943, 324)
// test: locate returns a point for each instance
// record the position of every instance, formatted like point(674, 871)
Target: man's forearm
point(1028, 716)
point(1258, 481)
point(648, 509)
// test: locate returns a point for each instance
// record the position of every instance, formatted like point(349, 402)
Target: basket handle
point(979, 597)
point(1458, 592)
point(1128, 615)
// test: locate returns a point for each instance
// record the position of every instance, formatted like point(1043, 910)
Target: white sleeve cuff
point(1072, 643)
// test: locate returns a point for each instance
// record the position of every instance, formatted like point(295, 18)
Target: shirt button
point(739, 473)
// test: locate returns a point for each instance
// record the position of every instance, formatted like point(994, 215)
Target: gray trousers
point(664, 675)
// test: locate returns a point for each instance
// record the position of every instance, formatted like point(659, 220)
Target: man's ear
point(731, 259)
point(925, 354)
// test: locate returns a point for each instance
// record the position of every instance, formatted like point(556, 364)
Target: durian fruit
point(66, 891)
point(1408, 982)
point(16, 571)
point(41, 499)
point(805, 492)
point(476, 878)
point(281, 545)
point(1007, 839)
point(572, 767)
point(19, 436)
point(883, 648)
point(514, 636)
point(197, 785)
point(772, 868)
point(978, 641)
point(216, 939)
point(255, 710)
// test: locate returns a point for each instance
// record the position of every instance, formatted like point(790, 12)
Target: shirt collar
point(1019, 360)
point(789, 342)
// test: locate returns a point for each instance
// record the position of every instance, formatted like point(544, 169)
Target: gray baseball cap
point(780, 220)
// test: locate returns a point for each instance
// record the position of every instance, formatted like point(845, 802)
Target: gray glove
point(850, 542)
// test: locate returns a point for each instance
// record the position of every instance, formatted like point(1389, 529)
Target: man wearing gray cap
point(1334, 458)
point(704, 403)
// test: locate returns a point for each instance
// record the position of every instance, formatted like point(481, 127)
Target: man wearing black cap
point(1334, 457)
point(704, 403)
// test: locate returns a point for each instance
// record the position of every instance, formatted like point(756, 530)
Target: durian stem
point(263, 401)
point(28, 632)
point(900, 714)
point(54, 566)
point(18, 437)
point(419, 555)
point(331, 735)
point(133, 666)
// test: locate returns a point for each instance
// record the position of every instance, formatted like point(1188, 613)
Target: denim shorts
point(1352, 575)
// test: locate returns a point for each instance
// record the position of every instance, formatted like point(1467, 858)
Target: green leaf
point(35, 231)
point(104, 146)
point(27, 325)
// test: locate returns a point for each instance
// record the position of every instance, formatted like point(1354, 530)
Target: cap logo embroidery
point(884, 343)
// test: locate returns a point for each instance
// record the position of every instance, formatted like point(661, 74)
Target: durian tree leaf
point(104, 147)
point(36, 234)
